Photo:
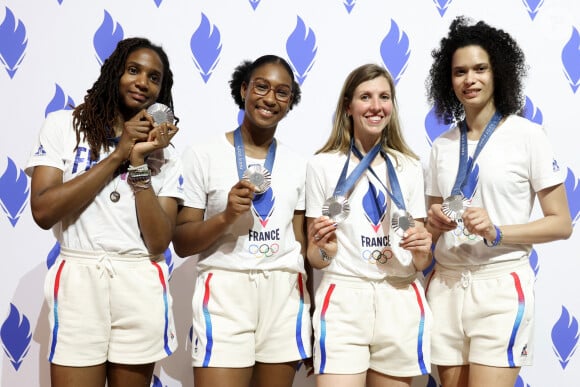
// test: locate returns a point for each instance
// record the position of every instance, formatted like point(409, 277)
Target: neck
point(256, 142)
point(364, 145)
point(477, 120)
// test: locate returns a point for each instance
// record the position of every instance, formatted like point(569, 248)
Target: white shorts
point(361, 324)
point(483, 315)
point(106, 307)
point(240, 318)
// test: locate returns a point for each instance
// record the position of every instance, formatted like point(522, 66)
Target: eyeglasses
point(262, 87)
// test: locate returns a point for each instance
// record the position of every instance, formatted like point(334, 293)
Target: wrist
point(497, 240)
point(324, 255)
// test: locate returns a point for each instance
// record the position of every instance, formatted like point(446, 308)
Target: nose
point(469, 78)
point(375, 104)
point(141, 80)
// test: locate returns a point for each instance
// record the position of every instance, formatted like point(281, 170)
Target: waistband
point(68, 253)
point(491, 270)
point(363, 282)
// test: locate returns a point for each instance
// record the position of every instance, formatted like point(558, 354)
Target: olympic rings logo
point(462, 234)
point(264, 250)
point(380, 256)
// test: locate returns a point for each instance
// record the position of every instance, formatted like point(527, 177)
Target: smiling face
point(141, 81)
point(265, 111)
point(371, 108)
point(472, 78)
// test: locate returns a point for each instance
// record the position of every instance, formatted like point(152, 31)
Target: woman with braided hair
point(106, 182)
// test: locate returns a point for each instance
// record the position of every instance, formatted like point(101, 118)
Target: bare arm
point(321, 236)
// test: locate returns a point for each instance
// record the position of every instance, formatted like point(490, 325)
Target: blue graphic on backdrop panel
point(573, 191)
point(301, 49)
point(16, 335)
point(565, 337)
point(533, 6)
point(442, 6)
point(59, 101)
point(13, 192)
point(14, 42)
point(571, 60)
point(206, 46)
point(395, 51)
point(106, 38)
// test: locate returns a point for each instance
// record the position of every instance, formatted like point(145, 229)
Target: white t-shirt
point(260, 239)
point(103, 225)
point(516, 162)
point(366, 232)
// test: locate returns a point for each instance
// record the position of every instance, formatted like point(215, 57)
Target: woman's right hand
point(239, 200)
point(438, 221)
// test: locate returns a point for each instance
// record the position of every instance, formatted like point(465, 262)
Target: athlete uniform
point(250, 302)
point(371, 311)
point(471, 281)
point(108, 298)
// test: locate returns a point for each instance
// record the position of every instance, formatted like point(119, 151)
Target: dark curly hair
point(507, 63)
point(244, 71)
point(96, 116)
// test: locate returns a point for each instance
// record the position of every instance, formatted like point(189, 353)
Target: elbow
point(42, 219)
point(181, 250)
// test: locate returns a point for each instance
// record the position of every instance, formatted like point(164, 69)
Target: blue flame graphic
point(53, 255)
point(533, 6)
point(471, 185)
point(59, 102)
point(520, 382)
point(158, 2)
point(349, 5)
point(156, 382)
point(206, 47)
point(434, 126)
point(263, 206)
point(60, 2)
point(254, 3)
point(106, 38)
point(395, 51)
point(571, 60)
point(169, 261)
point(565, 337)
point(573, 192)
point(534, 262)
point(14, 41)
point(442, 6)
point(16, 336)
point(431, 382)
point(375, 206)
point(13, 192)
point(301, 49)
point(532, 113)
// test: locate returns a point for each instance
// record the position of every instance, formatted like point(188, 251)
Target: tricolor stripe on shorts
point(208, 327)
point(518, 322)
point(55, 311)
point(421, 332)
point(299, 342)
point(323, 328)
point(166, 312)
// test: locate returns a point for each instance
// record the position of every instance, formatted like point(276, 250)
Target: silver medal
point(161, 113)
point(258, 176)
point(401, 221)
point(454, 206)
point(336, 208)
point(115, 196)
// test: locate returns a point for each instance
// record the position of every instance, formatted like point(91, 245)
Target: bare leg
point(274, 374)
point(454, 376)
point(482, 376)
point(64, 376)
point(376, 379)
point(125, 375)
point(335, 380)
point(222, 377)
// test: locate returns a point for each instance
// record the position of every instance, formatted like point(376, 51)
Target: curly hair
point(96, 116)
point(507, 63)
point(342, 127)
point(244, 71)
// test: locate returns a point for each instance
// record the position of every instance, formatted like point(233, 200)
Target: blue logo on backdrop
point(534, 262)
point(533, 6)
point(156, 382)
point(206, 47)
point(254, 3)
point(158, 2)
point(573, 192)
point(53, 255)
point(532, 112)
point(16, 336)
point(349, 5)
point(565, 337)
point(13, 192)
point(59, 101)
point(434, 126)
point(431, 382)
point(520, 382)
point(169, 261)
point(107, 37)
point(571, 60)
point(442, 6)
point(395, 51)
point(301, 49)
point(14, 41)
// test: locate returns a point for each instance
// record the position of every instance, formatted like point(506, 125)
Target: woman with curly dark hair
point(483, 178)
point(106, 182)
point(243, 216)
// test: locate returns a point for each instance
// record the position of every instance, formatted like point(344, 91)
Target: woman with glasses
point(365, 205)
point(244, 217)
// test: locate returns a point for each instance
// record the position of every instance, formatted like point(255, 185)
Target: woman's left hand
point(476, 220)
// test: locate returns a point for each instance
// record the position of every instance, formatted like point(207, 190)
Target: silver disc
point(336, 208)
point(161, 113)
point(454, 206)
point(258, 176)
point(401, 221)
point(115, 196)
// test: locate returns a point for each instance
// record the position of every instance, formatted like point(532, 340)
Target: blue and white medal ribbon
point(255, 173)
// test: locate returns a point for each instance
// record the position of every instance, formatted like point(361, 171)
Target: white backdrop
point(51, 50)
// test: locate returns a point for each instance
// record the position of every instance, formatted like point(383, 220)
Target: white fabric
point(516, 162)
point(358, 235)
point(103, 225)
point(210, 172)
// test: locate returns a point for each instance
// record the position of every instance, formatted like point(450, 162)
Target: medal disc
point(454, 206)
point(161, 113)
point(258, 176)
point(115, 196)
point(336, 208)
point(402, 221)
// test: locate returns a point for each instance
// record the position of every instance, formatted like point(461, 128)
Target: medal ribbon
point(396, 195)
point(344, 183)
point(466, 166)
point(241, 153)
